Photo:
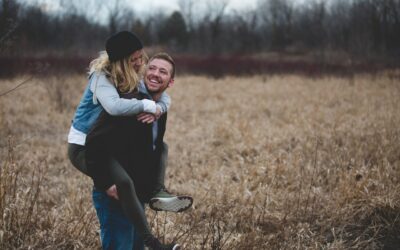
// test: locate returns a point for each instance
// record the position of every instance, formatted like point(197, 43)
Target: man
point(138, 147)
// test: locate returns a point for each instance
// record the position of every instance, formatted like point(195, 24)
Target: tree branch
point(16, 87)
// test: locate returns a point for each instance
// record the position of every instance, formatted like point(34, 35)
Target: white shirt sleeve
point(149, 106)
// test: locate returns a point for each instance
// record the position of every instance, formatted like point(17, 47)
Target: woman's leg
point(128, 198)
point(133, 208)
point(76, 154)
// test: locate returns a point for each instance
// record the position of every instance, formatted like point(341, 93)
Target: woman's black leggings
point(128, 198)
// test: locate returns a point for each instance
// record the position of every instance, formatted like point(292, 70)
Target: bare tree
point(8, 21)
point(213, 18)
point(358, 27)
point(312, 22)
point(90, 10)
point(152, 25)
point(337, 25)
point(187, 8)
point(114, 16)
point(278, 18)
point(174, 32)
point(245, 29)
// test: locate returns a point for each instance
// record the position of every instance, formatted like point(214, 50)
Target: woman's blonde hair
point(121, 72)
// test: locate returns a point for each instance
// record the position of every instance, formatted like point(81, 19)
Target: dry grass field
point(273, 162)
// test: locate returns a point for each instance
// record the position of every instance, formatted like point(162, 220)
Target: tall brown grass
point(283, 162)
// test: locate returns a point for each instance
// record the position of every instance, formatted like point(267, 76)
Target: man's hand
point(112, 192)
point(146, 117)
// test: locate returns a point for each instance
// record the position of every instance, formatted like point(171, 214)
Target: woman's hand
point(158, 112)
point(146, 117)
point(112, 192)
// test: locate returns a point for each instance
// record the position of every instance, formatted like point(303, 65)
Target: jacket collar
point(143, 89)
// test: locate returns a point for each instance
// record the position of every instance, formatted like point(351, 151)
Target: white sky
point(171, 5)
point(141, 7)
point(147, 6)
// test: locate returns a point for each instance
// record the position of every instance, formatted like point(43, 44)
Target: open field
point(273, 162)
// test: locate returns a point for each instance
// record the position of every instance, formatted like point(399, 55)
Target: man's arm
point(164, 102)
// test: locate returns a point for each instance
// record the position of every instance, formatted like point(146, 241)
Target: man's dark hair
point(166, 57)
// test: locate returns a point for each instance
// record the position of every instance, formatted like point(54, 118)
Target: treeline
point(354, 26)
point(342, 29)
point(367, 27)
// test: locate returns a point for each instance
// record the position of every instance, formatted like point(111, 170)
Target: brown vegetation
point(216, 66)
point(283, 162)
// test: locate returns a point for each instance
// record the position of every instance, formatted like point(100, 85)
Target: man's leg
point(116, 230)
point(161, 168)
point(138, 243)
point(125, 213)
point(162, 199)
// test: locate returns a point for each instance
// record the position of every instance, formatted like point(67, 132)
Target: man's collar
point(143, 89)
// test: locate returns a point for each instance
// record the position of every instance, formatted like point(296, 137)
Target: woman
point(115, 72)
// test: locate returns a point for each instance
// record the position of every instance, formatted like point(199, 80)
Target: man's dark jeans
point(117, 233)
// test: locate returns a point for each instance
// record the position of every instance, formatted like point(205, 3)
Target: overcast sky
point(146, 5)
point(141, 7)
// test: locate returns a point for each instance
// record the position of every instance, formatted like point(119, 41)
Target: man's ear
point(171, 82)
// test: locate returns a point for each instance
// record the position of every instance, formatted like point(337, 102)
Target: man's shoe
point(154, 244)
point(165, 201)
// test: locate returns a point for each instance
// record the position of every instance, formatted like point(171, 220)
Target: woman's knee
point(76, 155)
point(125, 183)
point(72, 152)
point(165, 148)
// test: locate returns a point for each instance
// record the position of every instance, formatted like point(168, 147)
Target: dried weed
point(273, 163)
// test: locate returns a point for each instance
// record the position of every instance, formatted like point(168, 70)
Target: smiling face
point(158, 75)
point(136, 60)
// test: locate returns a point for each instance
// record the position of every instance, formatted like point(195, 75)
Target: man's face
point(158, 75)
point(136, 60)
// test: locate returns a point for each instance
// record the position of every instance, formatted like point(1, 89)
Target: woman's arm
point(163, 105)
point(164, 102)
point(109, 98)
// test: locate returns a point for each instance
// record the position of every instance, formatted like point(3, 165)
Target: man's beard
point(155, 92)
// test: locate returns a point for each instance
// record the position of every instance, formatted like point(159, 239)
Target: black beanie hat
point(121, 45)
